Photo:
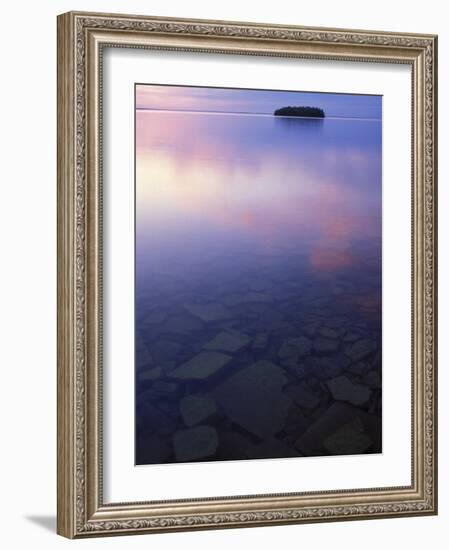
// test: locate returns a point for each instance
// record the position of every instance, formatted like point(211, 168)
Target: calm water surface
point(258, 286)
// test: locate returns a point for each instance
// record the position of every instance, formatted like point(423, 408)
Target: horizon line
point(247, 113)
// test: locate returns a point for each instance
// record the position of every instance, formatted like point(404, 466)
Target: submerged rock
point(311, 442)
point(156, 415)
point(361, 349)
point(311, 328)
point(253, 398)
point(195, 443)
point(209, 312)
point(373, 379)
point(144, 360)
point(150, 374)
point(155, 317)
point(325, 346)
point(201, 366)
point(165, 350)
point(228, 341)
point(349, 439)
point(326, 367)
point(260, 342)
point(351, 336)
point(180, 324)
point(153, 450)
point(328, 332)
point(303, 396)
point(342, 389)
point(359, 368)
point(196, 408)
point(161, 388)
point(234, 446)
point(295, 347)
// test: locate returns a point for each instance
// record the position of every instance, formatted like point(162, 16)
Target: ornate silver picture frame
point(83, 511)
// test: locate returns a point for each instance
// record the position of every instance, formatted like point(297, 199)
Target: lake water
point(258, 286)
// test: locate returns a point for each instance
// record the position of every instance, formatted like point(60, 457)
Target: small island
point(314, 112)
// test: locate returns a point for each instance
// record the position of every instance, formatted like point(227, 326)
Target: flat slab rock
point(161, 389)
point(195, 443)
point(228, 341)
point(295, 347)
point(349, 439)
point(328, 332)
point(325, 367)
point(342, 389)
point(154, 317)
point(196, 408)
point(150, 374)
point(234, 446)
point(201, 366)
point(373, 379)
point(335, 418)
point(165, 350)
point(361, 349)
point(180, 324)
point(157, 416)
point(260, 342)
point(324, 346)
point(253, 398)
point(209, 312)
point(303, 396)
point(153, 450)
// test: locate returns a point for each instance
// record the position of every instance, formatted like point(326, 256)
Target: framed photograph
point(246, 274)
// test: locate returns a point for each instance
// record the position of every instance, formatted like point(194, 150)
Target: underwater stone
point(165, 350)
point(324, 346)
point(327, 332)
point(201, 366)
point(195, 443)
point(302, 396)
point(325, 367)
point(209, 312)
point(153, 450)
point(361, 349)
point(253, 398)
point(342, 389)
point(373, 379)
point(196, 408)
point(260, 342)
point(359, 368)
point(228, 341)
point(295, 347)
point(156, 415)
point(155, 317)
point(332, 419)
point(349, 439)
point(150, 374)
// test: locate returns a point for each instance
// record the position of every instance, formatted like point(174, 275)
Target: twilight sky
point(188, 98)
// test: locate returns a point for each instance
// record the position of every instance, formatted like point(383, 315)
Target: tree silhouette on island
point(314, 112)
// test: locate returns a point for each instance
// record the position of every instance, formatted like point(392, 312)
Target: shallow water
point(258, 286)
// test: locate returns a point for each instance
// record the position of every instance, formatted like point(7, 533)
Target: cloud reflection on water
point(271, 181)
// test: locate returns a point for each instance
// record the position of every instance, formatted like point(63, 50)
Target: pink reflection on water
point(268, 186)
point(324, 258)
